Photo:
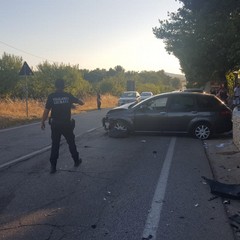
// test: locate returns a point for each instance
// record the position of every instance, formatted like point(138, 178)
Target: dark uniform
point(61, 124)
point(60, 103)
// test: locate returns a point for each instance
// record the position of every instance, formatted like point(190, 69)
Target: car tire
point(118, 129)
point(202, 131)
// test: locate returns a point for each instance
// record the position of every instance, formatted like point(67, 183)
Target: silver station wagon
point(129, 97)
point(199, 114)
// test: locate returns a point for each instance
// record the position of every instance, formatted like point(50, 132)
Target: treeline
point(80, 82)
point(204, 36)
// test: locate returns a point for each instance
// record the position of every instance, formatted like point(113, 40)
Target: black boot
point(77, 162)
point(53, 169)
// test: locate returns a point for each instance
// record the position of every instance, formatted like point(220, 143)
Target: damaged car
point(198, 114)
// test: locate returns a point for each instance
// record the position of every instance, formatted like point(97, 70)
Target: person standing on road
point(222, 94)
point(60, 103)
point(237, 95)
point(99, 101)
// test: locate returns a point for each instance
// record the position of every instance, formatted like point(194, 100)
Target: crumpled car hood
point(125, 106)
point(122, 108)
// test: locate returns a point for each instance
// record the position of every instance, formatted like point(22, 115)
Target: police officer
point(60, 103)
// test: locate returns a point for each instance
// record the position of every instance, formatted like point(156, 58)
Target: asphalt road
point(141, 187)
point(22, 142)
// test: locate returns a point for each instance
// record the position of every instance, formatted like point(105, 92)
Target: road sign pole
point(26, 71)
point(26, 95)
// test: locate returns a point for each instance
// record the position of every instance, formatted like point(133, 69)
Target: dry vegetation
point(13, 112)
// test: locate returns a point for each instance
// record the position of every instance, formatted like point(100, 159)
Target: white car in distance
point(128, 97)
point(145, 95)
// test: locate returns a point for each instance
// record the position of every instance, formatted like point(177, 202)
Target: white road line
point(91, 130)
point(88, 131)
point(154, 215)
point(22, 126)
point(25, 157)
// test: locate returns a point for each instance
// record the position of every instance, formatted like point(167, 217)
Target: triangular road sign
point(25, 70)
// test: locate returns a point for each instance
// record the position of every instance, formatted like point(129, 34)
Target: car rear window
point(129, 94)
point(146, 94)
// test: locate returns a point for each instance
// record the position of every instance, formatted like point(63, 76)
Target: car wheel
point(202, 131)
point(118, 129)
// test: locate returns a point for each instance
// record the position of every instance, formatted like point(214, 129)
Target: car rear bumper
point(225, 126)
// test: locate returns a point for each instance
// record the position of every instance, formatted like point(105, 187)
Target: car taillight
point(225, 113)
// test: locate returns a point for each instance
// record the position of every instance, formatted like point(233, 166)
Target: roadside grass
point(13, 112)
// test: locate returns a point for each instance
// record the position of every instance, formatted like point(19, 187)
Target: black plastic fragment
point(235, 218)
point(149, 237)
point(94, 226)
point(223, 189)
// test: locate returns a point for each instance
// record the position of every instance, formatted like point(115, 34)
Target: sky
point(88, 33)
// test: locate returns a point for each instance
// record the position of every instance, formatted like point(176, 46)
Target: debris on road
point(223, 189)
point(154, 153)
point(213, 198)
point(226, 202)
point(94, 226)
point(235, 218)
point(221, 145)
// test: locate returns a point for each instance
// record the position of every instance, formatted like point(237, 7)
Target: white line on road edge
point(153, 218)
point(22, 126)
point(25, 157)
point(91, 130)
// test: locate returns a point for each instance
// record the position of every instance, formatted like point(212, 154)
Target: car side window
point(182, 103)
point(158, 104)
point(206, 102)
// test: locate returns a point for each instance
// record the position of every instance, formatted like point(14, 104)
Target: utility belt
point(61, 123)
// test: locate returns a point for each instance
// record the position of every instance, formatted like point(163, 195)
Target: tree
point(42, 82)
point(47, 74)
point(114, 85)
point(94, 76)
point(119, 69)
point(10, 66)
point(204, 36)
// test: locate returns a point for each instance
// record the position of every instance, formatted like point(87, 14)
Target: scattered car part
point(223, 189)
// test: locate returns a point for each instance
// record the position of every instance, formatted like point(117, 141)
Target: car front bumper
point(105, 123)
